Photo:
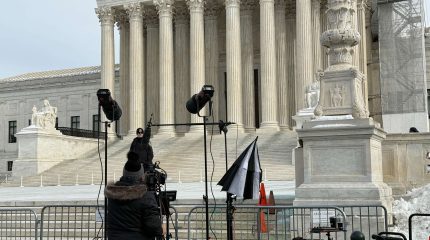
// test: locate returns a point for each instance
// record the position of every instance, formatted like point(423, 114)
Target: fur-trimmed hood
point(125, 192)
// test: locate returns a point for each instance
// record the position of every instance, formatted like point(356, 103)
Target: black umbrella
point(243, 178)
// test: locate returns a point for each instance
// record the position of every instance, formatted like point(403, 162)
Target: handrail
point(76, 132)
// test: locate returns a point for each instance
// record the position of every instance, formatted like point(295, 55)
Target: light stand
point(230, 209)
point(205, 197)
point(106, 124)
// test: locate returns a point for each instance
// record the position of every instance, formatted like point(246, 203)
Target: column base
point(269, 127)
point(166, 131)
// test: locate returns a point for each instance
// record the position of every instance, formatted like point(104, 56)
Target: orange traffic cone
point(272, 203)
point(263, 200)
point(263, 226)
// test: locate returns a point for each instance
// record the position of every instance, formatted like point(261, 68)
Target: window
point(29, 122)
point(75, 122)
point(56, 123)
point(96, 123)
point(9, 165)
point(12, 131)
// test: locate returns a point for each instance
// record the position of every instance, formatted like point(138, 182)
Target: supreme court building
point(260, 55)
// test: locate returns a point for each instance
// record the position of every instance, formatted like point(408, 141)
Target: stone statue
point(336, 95)
point(45, 118)
point(312, 94)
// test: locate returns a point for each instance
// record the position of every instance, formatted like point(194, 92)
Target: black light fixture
point(110, 107)
point(199, 100)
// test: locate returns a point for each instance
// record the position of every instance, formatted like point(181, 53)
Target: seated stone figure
point(45, 118)
point(312, 93)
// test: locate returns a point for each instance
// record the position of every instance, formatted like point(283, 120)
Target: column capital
point(212, 9)
point(248, 6)
point(290, 11)
point(134, 11)
point(106, 15)
point(151, 16)
point(164, 7)
point(232, 3)
point(182, 12)
point(196, 5)
point(281, 3)
point(362, 5)
point(121, 19)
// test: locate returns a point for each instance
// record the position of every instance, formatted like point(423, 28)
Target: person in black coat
point(141, 146)
point(133, 211)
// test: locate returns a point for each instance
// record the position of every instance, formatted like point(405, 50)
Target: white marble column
point(362, 47)
point(182, 65)
point(234, 63)
point(167, 109)
point(124, 74)
point(247, 38)
point(269, 89)
point(290, 50)
point(316, 32)
point(135, 13)
point(197, 55)
point(304, 50)
point(212, 10)
point(152, 65)
point(281, 66)
point(106, 16)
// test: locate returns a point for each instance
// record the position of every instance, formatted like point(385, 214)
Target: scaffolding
point(402, 61)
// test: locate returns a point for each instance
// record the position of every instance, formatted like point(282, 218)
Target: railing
point(287, 222)
point(250, 222)
point(79, 222)
point(4, 176)
point(80, 132)
point(18, 223)
point(71, 221)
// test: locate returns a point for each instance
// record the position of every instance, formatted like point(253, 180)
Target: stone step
point(175, 154)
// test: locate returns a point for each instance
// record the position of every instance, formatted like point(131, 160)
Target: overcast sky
point(53, 34)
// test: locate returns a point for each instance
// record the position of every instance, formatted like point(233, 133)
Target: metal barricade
point(257, 222)
point(366, 219)
point(411, 231)
point(79, 222)
point(72, 222)
point(288, 222)
point(173, 221)
point(18, 223)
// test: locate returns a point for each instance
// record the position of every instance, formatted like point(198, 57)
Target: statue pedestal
point(342, 163)
point(38, 150)
point(302, 116)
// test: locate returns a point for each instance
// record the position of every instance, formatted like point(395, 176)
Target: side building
point(72, 91)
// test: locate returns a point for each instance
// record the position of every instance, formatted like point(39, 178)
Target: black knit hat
point(132, 167)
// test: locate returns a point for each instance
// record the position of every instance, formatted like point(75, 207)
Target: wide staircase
point(181, 157)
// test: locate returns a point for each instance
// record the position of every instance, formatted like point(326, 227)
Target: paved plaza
point(19, 196)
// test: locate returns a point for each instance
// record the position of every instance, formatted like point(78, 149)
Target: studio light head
point(110, 107)
point(199, 100)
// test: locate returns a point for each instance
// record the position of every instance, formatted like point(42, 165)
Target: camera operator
point(142, 147)
point(133, 211)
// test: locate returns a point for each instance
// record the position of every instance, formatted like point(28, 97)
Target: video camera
point(154, 177)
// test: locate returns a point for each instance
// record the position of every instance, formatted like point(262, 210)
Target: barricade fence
point(18, 223)
point(250, 222)
point(287, 222)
